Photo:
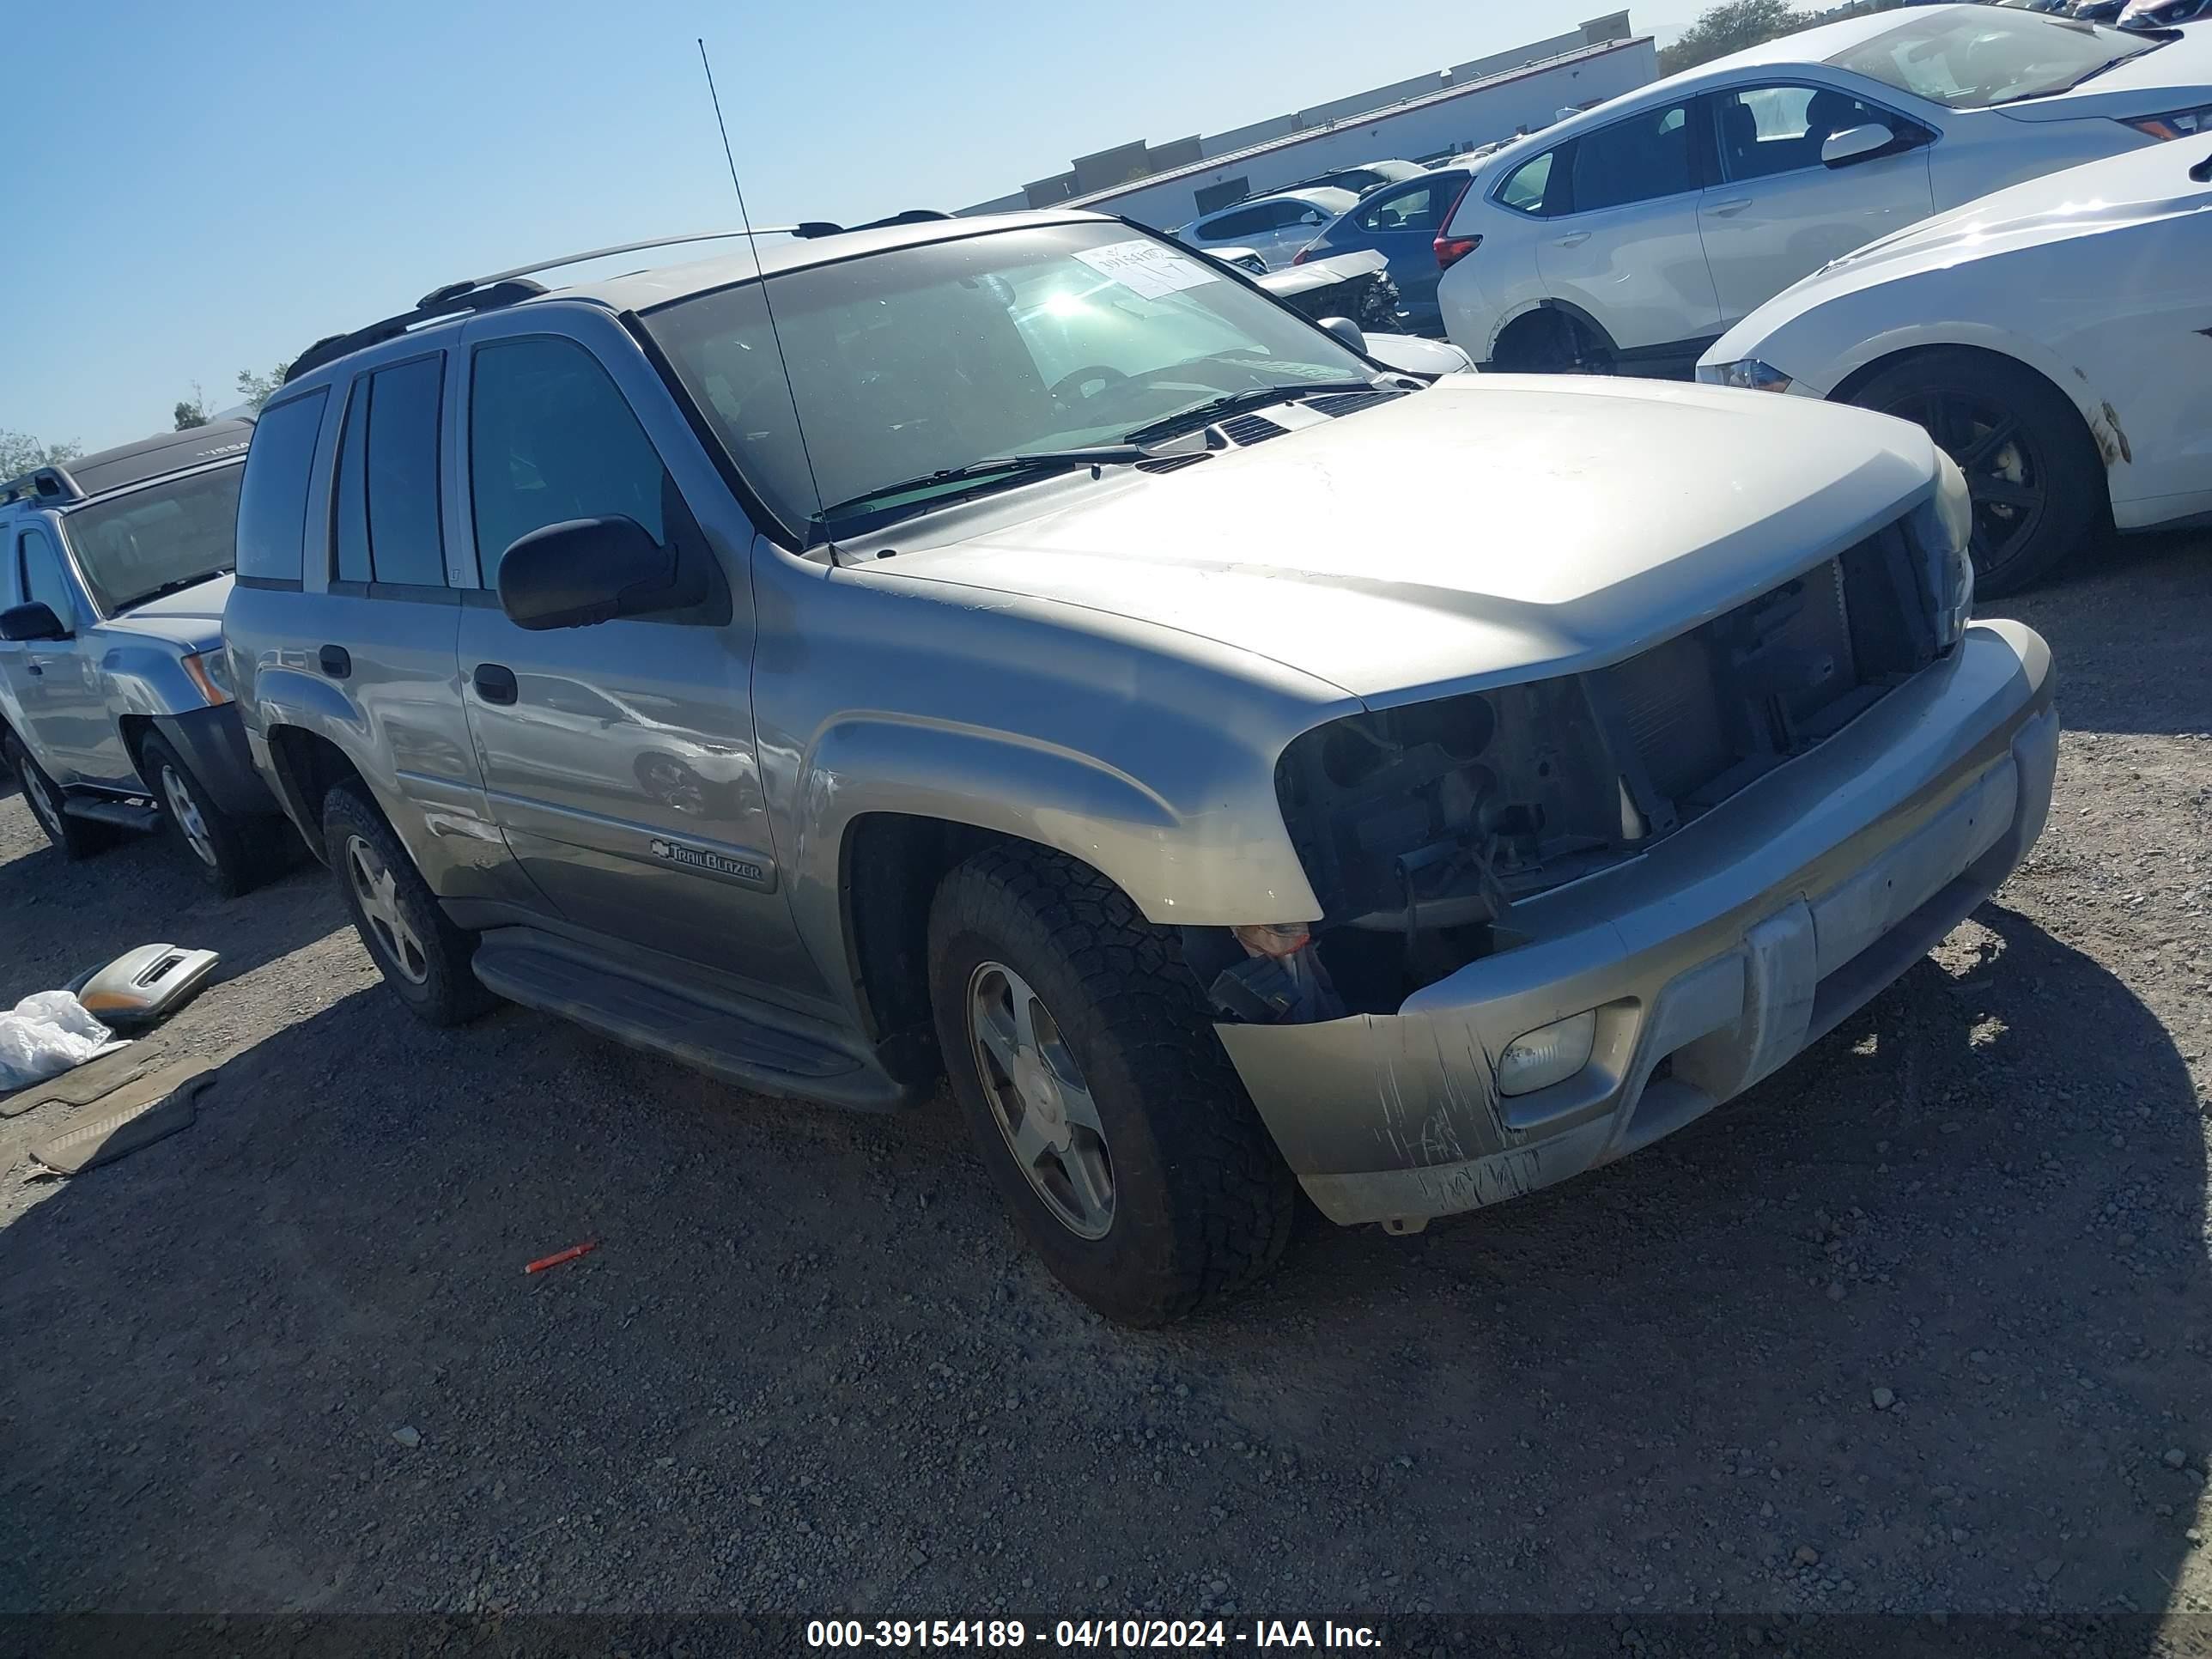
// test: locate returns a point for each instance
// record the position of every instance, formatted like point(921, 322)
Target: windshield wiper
point(996, 469)
point(1206, 413)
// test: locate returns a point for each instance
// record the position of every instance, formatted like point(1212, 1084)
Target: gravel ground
point(1921, 1324)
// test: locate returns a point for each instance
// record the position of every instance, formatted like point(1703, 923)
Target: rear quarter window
point(1527, 186)
point(272, 502)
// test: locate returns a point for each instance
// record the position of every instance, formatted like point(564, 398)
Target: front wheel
point(2038, 489)
point(77, 838)
point(231, 855)
point(1098, 1096)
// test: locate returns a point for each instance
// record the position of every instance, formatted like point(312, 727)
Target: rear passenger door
point(1624, 249)
point(619, 757)
point(385, 628)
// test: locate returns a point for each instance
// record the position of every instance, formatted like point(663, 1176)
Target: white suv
point(1632, 236)
point(1273, 227)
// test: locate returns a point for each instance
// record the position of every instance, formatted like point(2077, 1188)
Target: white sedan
point(1632, 236)
point(1273, 227)
point(2055, 339)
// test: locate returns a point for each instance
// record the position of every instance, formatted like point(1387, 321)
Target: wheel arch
point(305, 766)
point(2100, 426)
point(1523, 320)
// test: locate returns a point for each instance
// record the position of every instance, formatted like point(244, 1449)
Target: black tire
point(2039, 491)
point(426, 960)
point(1554, 342)
point(1201, 1202)
point(77, 838)
point(232, 855)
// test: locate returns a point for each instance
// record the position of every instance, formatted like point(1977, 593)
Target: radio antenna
point(745, 219)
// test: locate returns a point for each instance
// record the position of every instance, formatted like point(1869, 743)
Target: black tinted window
point(1245, 221)
point(402, 474)
point(1525, 191)
point(273, 503)
point(1415, 207)
point(550, 439)
point(42, 577)
point(1637, 159)
point(349, 499)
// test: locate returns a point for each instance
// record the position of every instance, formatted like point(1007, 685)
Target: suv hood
point(191, 618)
point(1490, 528)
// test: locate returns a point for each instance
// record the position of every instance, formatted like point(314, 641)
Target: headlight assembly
point(1750, 374)
point(1949, 548)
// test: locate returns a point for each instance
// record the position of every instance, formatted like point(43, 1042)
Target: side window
point(385, 504)
point(1230, 226)
point(550, 439)
point(1762, 131)
point(1640, 158)
point(272, 500)
point(1525, 191)
point(42, 576)
point(1417, 207)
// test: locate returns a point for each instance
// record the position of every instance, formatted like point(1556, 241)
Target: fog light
point(1551, 1053)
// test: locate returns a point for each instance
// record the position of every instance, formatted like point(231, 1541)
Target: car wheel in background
point(232, 855)
point(1099, 1098)
point(423, 956)
point(1549, 341)
point(2038, 490)
point(77, 837)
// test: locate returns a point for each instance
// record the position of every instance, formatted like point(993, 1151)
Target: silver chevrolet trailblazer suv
point(1012, 648)
point(115, 704)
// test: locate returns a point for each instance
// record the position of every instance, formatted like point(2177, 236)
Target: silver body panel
point(1111, 667)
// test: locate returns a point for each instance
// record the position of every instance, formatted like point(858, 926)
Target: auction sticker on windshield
point(1147, 268)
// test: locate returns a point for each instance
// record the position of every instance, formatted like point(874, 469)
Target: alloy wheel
point(186, 812)
point(43, 805)
point(377, 893)
point(1040, 1101)
point(2003, 466)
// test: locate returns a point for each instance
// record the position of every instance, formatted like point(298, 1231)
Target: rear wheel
point(1554, 342)
point(2039, 491)
point(424, 958)
point(77, 837)
point(1098, 1096)
point(231, 855)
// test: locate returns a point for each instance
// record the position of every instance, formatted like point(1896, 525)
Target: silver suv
point(115, 707)
point(1012, 648)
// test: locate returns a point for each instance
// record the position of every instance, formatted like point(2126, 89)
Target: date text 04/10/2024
point(1008, 1634)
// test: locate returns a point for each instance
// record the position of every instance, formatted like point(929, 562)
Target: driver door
point(61, 703)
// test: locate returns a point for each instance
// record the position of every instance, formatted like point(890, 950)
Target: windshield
point(1970, 57)
point(932, 358)
point(157, 539)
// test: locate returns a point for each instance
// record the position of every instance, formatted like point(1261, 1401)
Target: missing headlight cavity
point(1421, 826)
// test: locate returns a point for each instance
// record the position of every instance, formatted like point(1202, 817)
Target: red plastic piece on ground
point(559, 1256)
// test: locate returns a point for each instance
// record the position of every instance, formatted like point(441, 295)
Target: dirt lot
point(290, 1358)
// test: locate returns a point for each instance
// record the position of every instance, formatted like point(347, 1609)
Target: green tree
point(191, 412)
point(258, 389)
point(1729, 27)
point(20, 453)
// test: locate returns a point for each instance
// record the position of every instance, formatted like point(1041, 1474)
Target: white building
point(1165, 185)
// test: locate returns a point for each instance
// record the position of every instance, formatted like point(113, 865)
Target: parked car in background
point(2164, 13)
point(2096, 11)
point(1273, 227)
point(1354, 287)
point(115, 697)
point(1124, 739)
point(1634, 235)
point(1403, 221)
point(2060, 6)
point(1368, 175)
point(2044, 336)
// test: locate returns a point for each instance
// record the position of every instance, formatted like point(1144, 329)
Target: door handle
point(35, 668)
point(337, 661)
point(1723, 210)
point(1575, 240)
point(494, 683)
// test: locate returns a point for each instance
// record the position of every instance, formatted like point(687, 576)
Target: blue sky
point(199, 189)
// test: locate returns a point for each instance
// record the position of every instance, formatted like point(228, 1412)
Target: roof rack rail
point(48, 484)
point(507, 288)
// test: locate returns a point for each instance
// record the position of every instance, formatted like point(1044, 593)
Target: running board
point(740, 1045)
point(138, 814)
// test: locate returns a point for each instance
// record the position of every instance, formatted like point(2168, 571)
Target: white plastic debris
point(46, 1035)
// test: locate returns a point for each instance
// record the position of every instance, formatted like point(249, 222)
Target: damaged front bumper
point(1709, 961)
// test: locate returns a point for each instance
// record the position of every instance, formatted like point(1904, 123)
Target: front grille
point(1694, 720)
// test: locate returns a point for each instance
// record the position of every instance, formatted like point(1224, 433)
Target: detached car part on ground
point(1109, 713)
point(115, 701)
point(2055, 339)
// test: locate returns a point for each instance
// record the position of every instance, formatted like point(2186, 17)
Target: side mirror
point(1841, 150)
point(585, 570)
point(1346, 331)
point(34, 621)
